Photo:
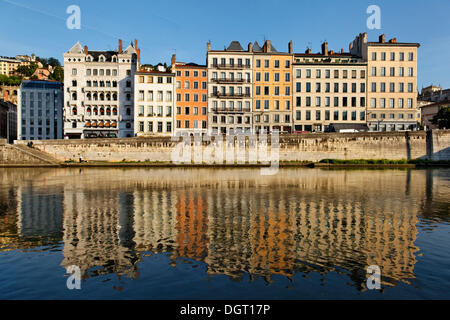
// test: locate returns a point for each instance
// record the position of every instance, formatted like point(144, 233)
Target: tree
point(58, 74)
point(26, 71)
point(53, 62)
point(442, 119)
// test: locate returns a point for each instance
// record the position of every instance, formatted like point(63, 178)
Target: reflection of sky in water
point(224, 233)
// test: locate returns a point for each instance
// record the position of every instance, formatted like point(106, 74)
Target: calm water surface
point(224, 234)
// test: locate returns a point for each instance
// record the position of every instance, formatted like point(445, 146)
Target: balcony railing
point(227, 80)
point(230, 66)
point(230, 110)
point(230, 95)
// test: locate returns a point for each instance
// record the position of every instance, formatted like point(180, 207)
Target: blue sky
point(184, 27)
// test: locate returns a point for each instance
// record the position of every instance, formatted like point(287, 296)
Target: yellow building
point(392, 82)
point(272, 87)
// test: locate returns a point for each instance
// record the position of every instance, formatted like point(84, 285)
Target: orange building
point(192, 97)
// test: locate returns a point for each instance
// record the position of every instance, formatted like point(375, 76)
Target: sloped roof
point(257, 47)
point(235, 46)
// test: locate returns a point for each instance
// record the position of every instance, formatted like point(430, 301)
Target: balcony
point(230, 95)
point(230, 66)
point(230, 110)
point(232, 81)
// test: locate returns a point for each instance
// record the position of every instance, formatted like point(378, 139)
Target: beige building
point(230, 89)
point(429, 111)
point(9, 65)
point(328, 88)
point(272, 87)
point(392, 82)
point(154, 103)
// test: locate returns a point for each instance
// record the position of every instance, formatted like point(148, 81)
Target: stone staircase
point(36, 154)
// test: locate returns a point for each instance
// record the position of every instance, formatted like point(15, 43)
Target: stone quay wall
point(433, 145)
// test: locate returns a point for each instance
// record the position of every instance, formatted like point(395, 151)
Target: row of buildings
point(372, 86)
point(254, 89)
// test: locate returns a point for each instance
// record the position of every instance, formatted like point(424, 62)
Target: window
point(374, 56)
point(410, 72)
point(401, 56)
point(277, 63)
point(411, 56)
point(308, 73)
point(392, 56)
point(318, 73)
point(74, 72)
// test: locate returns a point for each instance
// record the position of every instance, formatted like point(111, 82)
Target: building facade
point(230, 85)
point(272, 88)
point(392, 82)
point(8, 121)
point(40, 110)
point(191, 115)
point(329, 88)
point(9, 65)
point(155, 103)
point(99, 92)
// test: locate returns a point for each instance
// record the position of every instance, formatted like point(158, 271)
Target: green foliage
point(58, 74)
point(27, 71)
point(442, 119)
point(10, 81)
point(364, 162)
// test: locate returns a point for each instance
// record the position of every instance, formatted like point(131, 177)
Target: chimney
point(174, 60)
point(290, 47)
point(120, 46)
point(325, 48)
point(350, 47)
point(394, 40)
point(138, 53)
point(331, 52)
point(250, 47)
point(308, 51)
point(135, 43)
point(86, 50)
point(268, 46)
point(208, 46)
point(382, 38)
point(342, 51)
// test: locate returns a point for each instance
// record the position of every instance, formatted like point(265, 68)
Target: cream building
point(99, 92)
point(230, 89)
point(392, 82)
point(328, 88)
point(155, 103)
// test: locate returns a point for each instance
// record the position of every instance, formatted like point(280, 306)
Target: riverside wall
point(305, 147)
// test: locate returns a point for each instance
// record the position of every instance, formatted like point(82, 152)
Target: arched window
point(114, 111)
point(74, 96)
point(89, 96)
point(88, 111)
point(108, 111)
point(74, 111)
point(115, 96)
point(102, 111)
point(95, 97)
point(108, 96)
point(95, 112)
point(102, 96)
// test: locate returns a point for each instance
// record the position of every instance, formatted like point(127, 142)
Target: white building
point(40, 109)
point(230, 85)
point(154, 103)
point(99, 92)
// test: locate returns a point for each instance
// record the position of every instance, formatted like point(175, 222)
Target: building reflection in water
point(234, 221)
